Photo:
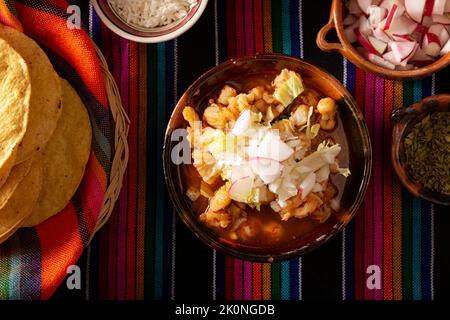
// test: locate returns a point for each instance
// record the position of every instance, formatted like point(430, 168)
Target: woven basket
point(121, 155)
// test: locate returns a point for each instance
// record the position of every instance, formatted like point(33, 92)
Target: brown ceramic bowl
point(349, 51)
point(240, 73)
point(403, 120)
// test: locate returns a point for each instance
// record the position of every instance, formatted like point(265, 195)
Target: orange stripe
point(267, 21)
point(58, 249)
point(7, 18)
point(142, 172)
point(66, 43)
point(266, 281)
point(397, 212)
point(387, 193)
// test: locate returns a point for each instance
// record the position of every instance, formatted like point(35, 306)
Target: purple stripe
point(368, 225)
point(378, 178)
point(248, 279)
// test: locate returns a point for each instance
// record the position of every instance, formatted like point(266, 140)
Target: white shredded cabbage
point(151, 13)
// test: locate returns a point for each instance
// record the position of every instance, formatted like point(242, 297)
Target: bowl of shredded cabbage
point(267, 157)
point(149, 21)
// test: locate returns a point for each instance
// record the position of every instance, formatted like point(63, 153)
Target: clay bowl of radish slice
point(264, 235)
point(395, 39)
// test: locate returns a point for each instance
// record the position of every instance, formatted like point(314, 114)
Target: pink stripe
point(238, 266)
point(249, 33)
point(368, 221)
point(240, 37)
point(378, 178)
point(248, 281)
point(123, 210)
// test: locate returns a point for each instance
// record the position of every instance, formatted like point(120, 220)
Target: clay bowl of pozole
point(266, 157)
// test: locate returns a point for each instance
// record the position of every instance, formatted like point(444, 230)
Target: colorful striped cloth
point(145, 251)
point(34, 261)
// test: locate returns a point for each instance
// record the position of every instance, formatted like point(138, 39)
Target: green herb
point(427, 149)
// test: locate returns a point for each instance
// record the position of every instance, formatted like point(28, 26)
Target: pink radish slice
point(376, 14)
point(389, 56)
point(350, 33)
point(445, 49)
point(431, 45)
point(364, 26)
point(440, 18)
point(440, 31)
point(381, 35)
point(381, 62)
point(427, 21)
point(394, 11)
point(402, 37)
point(428, 10)
point(420, 56)
point(439, 6)
point(243, 123)
point(241, 189)
point(364, 5)
point(267, 169)
point(349, 20)
point(402, 25)
point(402, 49)
point(386, 4)
point(415, 9)
point(447, 6)
point(379, 45)
point(364, 42)
point(239, 172)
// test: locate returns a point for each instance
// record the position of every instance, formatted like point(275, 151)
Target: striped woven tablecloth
point(145, 251)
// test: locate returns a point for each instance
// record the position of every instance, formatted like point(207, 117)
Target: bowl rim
point(208, 237)
point(151, 38)
point(402, 119)
point(349, 51)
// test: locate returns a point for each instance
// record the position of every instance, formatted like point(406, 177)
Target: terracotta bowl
point(349, 51)
point(403, 120)
point(147, 35)
point(240, 73)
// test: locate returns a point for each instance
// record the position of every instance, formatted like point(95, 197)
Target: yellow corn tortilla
point(45, 108)
point(22, 202)
point(15, 91)
point(17, 174)
point(64, 157)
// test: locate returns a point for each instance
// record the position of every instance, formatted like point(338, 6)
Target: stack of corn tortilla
point(45, 135)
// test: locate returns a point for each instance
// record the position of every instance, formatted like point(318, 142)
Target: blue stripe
point(285, 27)
point(285, 277)
point(96, 28)
point(295, 30)
point(294, 279)
point(159, 221)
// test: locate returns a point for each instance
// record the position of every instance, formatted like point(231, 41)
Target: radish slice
point(442, 19)
point(439, 6)
point(364, 5)
point(420, 57)
point(268, 169)
point(376, 14)
point(381, 62)
point(239, 172)
point(440, 31)
point(364, 26)
point(402, 49)
point(447, 6)
point(381, 35)
point(241, 189)
point(395, 11)
point(428, 10)
point(431, 45)
point(389, 56)
point(379, 45)
point(402, 25)
point(445, 49)
point(364, 42)
point(271, 147)
point(415, 9)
